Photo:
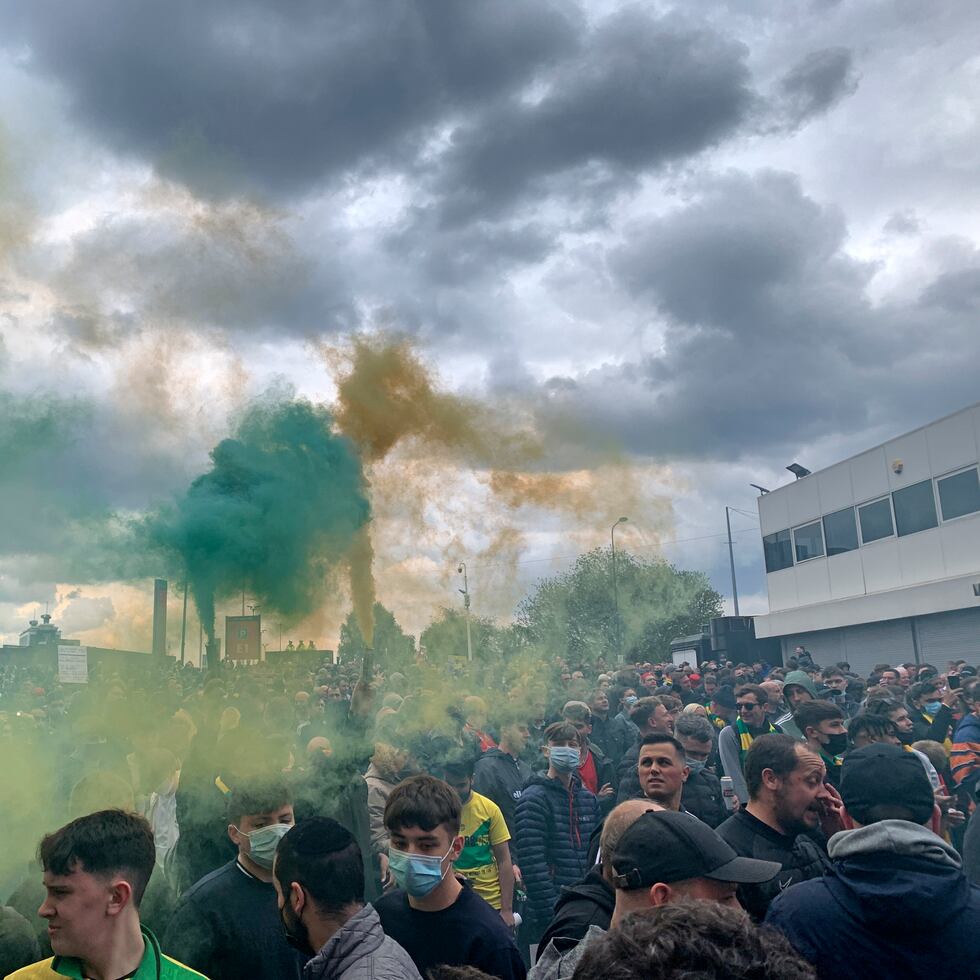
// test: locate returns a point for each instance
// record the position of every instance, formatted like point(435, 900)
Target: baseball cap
point(885, 775)
point(667, 846)
point(724, 696)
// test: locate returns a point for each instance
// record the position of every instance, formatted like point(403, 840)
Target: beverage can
point(728, 792)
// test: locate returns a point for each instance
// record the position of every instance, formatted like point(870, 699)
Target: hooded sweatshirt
point(361, 951)
point(785, 723)
point(588, 903)
point(895, 904)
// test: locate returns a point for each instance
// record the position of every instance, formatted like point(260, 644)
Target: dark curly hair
point(692, 941)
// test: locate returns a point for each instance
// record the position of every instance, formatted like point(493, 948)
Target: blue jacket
point(553, 829)
point(895, 904)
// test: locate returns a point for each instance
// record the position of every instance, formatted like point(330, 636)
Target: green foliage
point(445, 638)
point(575, 615)
point(394, 649)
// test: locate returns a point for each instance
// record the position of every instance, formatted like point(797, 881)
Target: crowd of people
point(576, 821)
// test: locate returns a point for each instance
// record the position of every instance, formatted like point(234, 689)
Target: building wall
point(892, 563)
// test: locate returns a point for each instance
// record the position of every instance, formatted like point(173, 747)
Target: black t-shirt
point(468, 933)
point(227, 927)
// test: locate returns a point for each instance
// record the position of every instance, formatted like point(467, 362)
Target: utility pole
point(465, 590)
point(183, 624)
point(731, 560)
point(612, 541)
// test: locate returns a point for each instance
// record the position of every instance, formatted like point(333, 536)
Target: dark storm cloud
point(642, 92)
point(252, 94)
point(816, 83)
point(770, 338)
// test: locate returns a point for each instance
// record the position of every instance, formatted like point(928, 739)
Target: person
point(501, 774)
point(227, 924)
point(651, 717)
point(484, 860)
point(318, 875)
point(662, 770)
point(431, 914)
point(835, 691)
point(721, 708)
point(930, 707)
point(824, 734)
point(788, 801)
point(896, 712)
point(691, 939)
point(655, 858)
point(702, 790)
point(774, 697)
point(622, 731)
point(18, 944)
point(797, 688)
point(555, 817)
point(475, 713)
point(596, 771)
point(96, 869)
point(896, 902)
point(383, 774)
point(735, 740)
point(599, 705)
point(964, 758)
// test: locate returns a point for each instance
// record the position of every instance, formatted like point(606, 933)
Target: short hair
point(103, 843)
point(922, 688)
point(323, 857)
point(829, 672)
point(871, 726)
point(691, 939)
point(760, 692)
point(694, 726)
point(257, 796)
point(709, 676)
point(882, 705)
point(425, 802)
point(659, 738)
point(561, 731)
point(776, 752)
point(643, 710)
point(971, 690)
point(577, 711)
point(811, 713)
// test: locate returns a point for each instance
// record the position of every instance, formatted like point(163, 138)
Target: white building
point(877, 559)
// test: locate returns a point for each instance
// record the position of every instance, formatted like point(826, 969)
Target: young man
point(736, 739)
point(662, 770)
point(896, 903)
point(500, 774)
point(824, 734)
point(437, 920)
point(596, 771)
point(797, 688)
point(227, 924)
point(555, 817)
point(702, 791)
point(485, 859)
point(95, 872)
point(651, 717)
point(788, 801)
point(319, 882)
point(835, 691)
point(931, 706)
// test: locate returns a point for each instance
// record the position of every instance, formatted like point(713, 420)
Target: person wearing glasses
point(751, 721)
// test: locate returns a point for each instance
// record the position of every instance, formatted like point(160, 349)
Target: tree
point(445, 638)
point(394, 649)
point(575, 615)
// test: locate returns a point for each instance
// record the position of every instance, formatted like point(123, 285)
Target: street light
point(465, 591)
point(612, 541)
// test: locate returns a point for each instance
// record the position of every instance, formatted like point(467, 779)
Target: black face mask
point(297, 935)
point(836, 744)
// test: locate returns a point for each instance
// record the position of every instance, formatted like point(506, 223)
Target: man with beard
point(319, 882)
point(788, 801)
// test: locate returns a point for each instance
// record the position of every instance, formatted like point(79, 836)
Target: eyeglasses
point(747, 706)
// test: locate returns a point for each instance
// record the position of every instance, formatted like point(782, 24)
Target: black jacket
point(500, 777)
point(589, 903)
point(702, 797)
point(800, 857)
point(937, 730)
point(895, 904)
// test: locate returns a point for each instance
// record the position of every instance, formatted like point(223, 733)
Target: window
point(959, 494)
point(876, 520)
point(779, 551)
point(915, 508)
point(809, 541)
point(840, 531)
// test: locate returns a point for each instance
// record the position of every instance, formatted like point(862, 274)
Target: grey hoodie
point(898, 837)
point(361, 951)
point(555, 965)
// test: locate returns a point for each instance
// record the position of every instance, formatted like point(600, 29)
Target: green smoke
point(278, 508)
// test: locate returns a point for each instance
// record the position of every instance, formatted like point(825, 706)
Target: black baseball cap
point(885, 775)
point(667, 846)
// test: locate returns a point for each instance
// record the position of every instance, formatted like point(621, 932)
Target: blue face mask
point(262, 843)
point(696, 765)
point(417, 874)
point(932, 707)
point(564, 758)
point(630, 700)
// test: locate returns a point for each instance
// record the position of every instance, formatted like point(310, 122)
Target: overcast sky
point(709, 238)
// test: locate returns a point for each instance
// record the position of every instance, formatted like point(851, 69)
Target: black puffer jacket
point(702, 797)
point(500, 777)
point(801, 858)
point(589, 903)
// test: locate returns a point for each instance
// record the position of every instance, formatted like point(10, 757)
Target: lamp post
point(612, 542)
point(731, 560)
point(465, 591)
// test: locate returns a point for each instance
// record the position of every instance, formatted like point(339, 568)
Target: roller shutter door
point(826, 646)
point(950, 636)
point(888, 642)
